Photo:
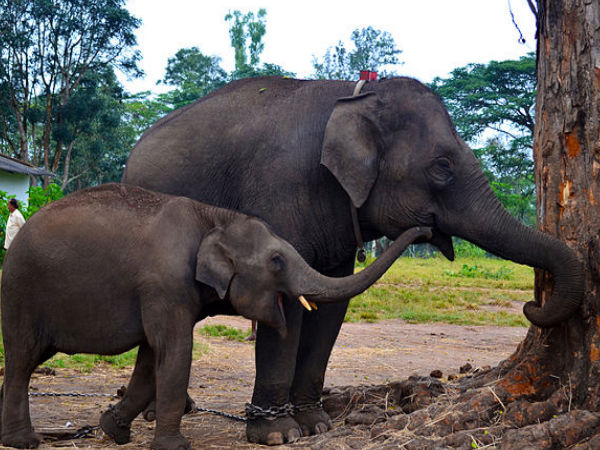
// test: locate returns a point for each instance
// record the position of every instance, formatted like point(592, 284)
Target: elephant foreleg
point(275, 366)
point(319, 331)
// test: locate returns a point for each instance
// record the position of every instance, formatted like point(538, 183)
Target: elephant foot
point(27, 439)
point(115, 426)
point(312, 419)
point(273, 432)
point(150, 411)
point(171, 443)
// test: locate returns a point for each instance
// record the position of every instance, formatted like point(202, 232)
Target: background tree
point(246, 32)
point(373, 50)
point(46, 48)
point(194, 75)
point(492, 106)
point(96, 137)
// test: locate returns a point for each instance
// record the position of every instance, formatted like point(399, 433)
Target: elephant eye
point(441, 172)
point(276, 262)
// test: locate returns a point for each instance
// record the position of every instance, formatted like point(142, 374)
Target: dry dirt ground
point(222, 379)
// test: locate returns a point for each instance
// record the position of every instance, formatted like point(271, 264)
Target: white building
point(16, 176)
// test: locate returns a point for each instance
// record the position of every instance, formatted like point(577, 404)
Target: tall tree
point(193, 74)
point(498, 96)
point(373, 50)
point(549, 388)
point(96, 139)
point(246, 32)
point(567, 165)
point(46, 48)
point(492, 105)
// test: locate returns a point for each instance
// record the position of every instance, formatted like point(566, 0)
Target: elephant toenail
point(294, 434)
point(275, 438)
point(320, 428)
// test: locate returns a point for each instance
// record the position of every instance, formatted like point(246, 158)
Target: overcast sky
point(435, 36)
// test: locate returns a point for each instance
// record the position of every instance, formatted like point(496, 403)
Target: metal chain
point(256, 412)
point(252, 411)
point(308, 407)
point(70, 394)
point(222, 414)
point(85, 431)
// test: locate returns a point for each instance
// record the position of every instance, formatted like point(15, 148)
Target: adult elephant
point(299, 154)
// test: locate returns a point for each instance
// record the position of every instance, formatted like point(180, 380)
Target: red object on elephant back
point(368, 75)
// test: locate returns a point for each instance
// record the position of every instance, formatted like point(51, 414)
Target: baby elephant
point(114, 267)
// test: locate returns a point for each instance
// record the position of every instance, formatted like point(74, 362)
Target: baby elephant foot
point(171, 443)
point(271, 426)
point(115, 426)
point(27, 439)
point(312, 419)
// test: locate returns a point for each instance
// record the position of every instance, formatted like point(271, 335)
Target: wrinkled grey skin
point(114, 267)
point(296, 153)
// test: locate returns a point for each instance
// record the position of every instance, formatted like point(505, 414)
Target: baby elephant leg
point(17, 430)
point(116, 421)
point(171, 341)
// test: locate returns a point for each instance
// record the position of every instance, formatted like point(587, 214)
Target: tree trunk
point(567, 164)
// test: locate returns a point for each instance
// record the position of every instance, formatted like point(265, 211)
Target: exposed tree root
point(519, 404)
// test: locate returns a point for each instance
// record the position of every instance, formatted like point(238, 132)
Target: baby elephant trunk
point(319, 288)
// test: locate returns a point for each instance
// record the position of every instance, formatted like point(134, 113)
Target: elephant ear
point(214, 267)
point(351, 145)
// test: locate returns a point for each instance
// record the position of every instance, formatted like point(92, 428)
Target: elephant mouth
point(443, 242)
point(280, 306)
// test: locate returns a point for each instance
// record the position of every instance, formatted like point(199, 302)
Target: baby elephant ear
point(213, 265)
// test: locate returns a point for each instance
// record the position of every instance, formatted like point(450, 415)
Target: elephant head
point(396, 153)
point(246, 262)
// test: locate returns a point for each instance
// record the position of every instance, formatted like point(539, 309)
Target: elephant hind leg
point(16, 428)
point(116, 421)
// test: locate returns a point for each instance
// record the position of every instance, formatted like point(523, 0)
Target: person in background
point(14, 223)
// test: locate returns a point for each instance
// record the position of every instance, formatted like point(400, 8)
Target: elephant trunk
point(492, 228)
point(320, 288)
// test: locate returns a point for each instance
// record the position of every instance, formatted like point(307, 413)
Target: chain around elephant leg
point(115, 425)
point(271, 426)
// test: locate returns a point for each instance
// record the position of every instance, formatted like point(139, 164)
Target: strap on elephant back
point(361, 254)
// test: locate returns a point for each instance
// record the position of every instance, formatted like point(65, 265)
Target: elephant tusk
point(313, 304)
point(304, 302)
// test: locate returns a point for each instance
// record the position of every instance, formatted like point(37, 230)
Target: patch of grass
point(434, 290)
point(235, 334)
point(479, 272)
point(86, 362)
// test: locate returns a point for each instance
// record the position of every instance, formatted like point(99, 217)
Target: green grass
point(86, 362)
point(235, 334)
point(468, 291)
